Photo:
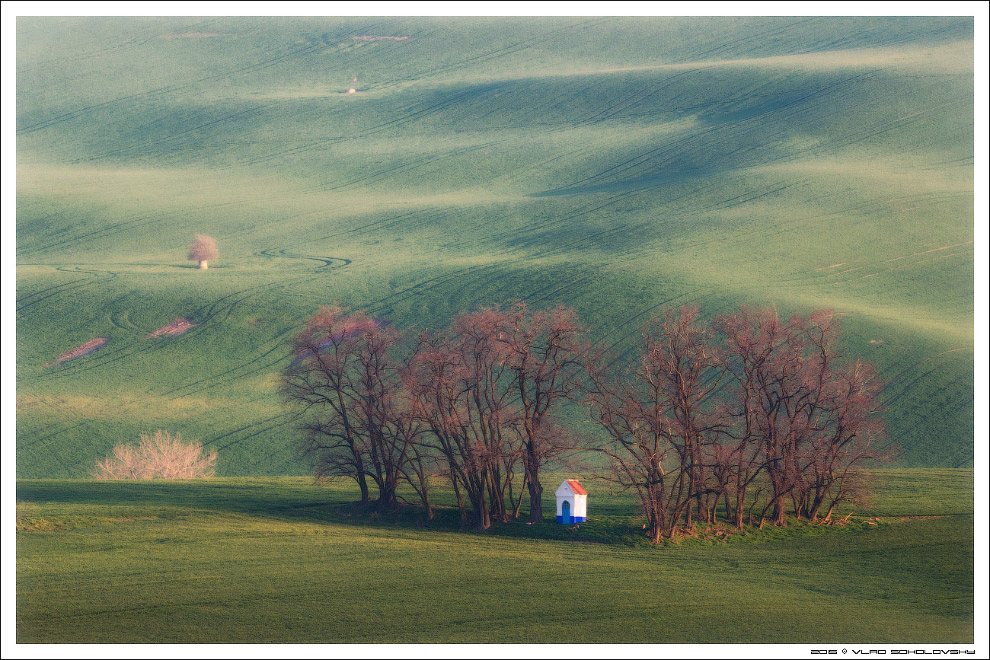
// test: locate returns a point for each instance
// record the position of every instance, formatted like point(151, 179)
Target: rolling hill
point(617, 165)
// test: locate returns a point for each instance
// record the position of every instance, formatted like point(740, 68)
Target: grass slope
point(280, 560)
point(620, 166)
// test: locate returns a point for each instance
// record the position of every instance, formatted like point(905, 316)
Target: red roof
point(576, 487)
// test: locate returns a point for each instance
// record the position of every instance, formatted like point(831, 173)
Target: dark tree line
point(750, 413)
point(474, 402)
point(747, 418)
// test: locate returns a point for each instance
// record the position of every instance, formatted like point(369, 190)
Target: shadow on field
point(195, 267)
point(299, 500)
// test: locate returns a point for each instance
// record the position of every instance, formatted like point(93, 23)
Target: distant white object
point(572, 502)
point(351, 90)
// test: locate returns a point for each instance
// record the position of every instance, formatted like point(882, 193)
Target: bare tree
point(487, 389)
point(813, 421)
point(388, 433)
point(544, 352)
point(748, 349)
point(160, 455)
point(422, 466)
point(203, 250)
point(457, 383)
point(345, 382)
point(322, 382)
point(631, 410)
point(657, 421)
point(689, 367)
point(850, 436)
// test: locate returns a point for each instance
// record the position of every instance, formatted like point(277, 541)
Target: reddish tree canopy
point(792, 427)
point(749, 413)
point(204, 248)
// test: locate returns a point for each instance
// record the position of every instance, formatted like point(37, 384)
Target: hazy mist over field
point(621, 166)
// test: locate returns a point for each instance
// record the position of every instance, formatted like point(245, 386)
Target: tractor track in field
point(174, 140)
point(500, 52)
point(388, 222)
point(21, 437)
point(274, 422)
point(115, 48)
point(634, 324)
point(94, 234)
point(95, 272)
point(731, 45)
point(31, 299)
point(257, 364)
point(217, 310)
point(627, 103)
point(811, 277)
point(551, 291)
point(329, 263)
point(872, 131)
point(405, 167)
point(711, 139)
point(121, 320)
point(212, 311)
point(412, 116)
point(160, 92)
point(385, 305)
point(904, 388)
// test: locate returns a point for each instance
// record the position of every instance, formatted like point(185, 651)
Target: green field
point(621, 166)
point(280, 560)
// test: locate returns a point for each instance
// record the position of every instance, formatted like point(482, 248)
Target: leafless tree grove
point(811, 420)
point(474, 403)
point(749, 411)
point(746, 418)
point(661, 422)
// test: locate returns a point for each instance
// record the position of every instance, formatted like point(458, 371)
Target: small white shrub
point(160, 455)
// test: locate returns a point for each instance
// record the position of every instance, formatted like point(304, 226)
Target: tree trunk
point(388, 501)
point(363, 483)
point(460, 501)
point(816, 506)
point(779, 511)
point(828, 516)
point(428, 506)
point(518, 504)
point(535, 498)
point(740, 505)
point(654, 533)
point(483, 518)
point(202, 264)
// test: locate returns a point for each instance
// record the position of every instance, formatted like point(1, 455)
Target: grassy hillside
point(279, 560)
point(616, 165)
